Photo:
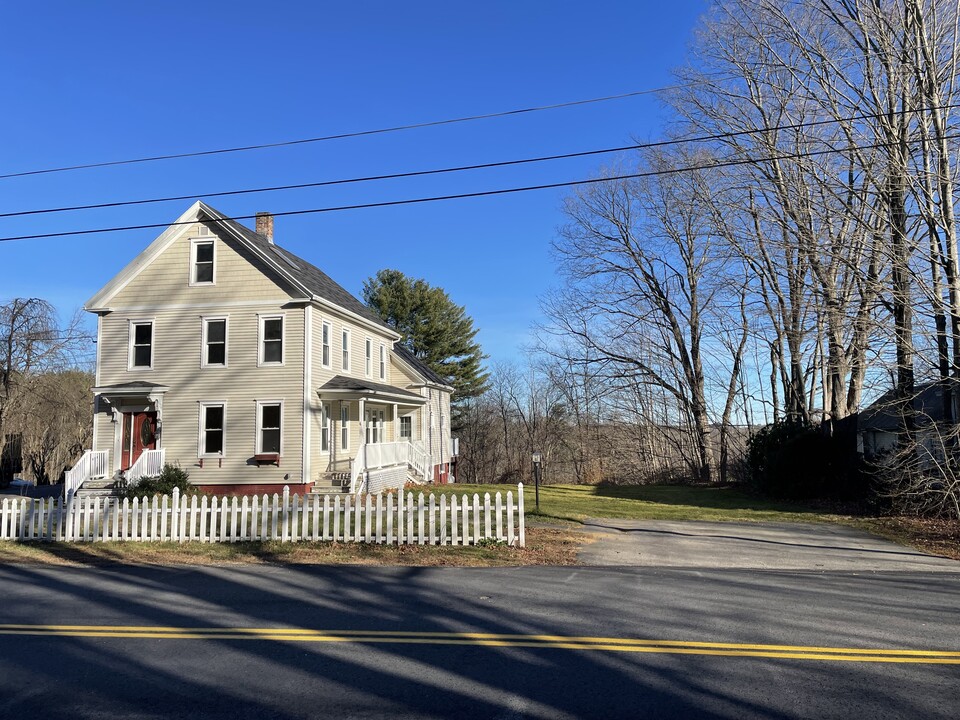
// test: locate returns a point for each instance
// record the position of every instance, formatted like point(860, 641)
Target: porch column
point(396, 432)
point(361, 445)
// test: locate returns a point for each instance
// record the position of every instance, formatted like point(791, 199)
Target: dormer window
point(202, 262)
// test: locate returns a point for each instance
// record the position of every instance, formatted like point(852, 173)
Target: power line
point(462, 168)
point(483, 193)
point(340, 136)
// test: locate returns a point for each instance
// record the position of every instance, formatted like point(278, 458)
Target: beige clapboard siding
point(166, 279)
point(437, 442)
point(335, 458)
point(177, 363)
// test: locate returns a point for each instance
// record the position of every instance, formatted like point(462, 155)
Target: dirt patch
point(937, 537)
point(545, 546)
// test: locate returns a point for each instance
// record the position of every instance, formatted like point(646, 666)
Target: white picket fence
point(393, 519)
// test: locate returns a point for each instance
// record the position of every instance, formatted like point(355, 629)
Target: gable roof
point(419, 366)
point(315, 284)
point(882, 414)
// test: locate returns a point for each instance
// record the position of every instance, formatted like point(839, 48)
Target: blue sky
point(88, 82)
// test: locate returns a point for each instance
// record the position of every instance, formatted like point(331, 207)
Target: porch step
point(101, 484)
point(100, 487)
point(319, 489)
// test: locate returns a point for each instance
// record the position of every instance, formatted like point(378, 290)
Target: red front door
point(139, 434)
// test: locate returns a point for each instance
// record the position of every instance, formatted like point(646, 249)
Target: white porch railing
point(93, 464)
point(375, 456)
point(381, 455)
point(149, 464)
point(358, 469)
point(417, 458)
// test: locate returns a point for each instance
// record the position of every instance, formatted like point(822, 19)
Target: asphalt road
point(302, 642)
point(757, 546)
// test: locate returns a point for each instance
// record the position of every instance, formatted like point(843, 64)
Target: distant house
point(878, 424)
point(221, 351)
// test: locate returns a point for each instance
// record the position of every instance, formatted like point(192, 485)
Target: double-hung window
point(406, 427)
point(271, 340)
point(368, 357)
point(344, 426)
point(383, 362)
point(214, 342)
point(202, 262)
point(345, 350)
point(141, 345)
point(269, 426)
point(212, 429)
point(325, 427)
point(325, 344)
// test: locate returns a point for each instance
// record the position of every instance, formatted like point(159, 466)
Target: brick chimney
point(265, 225)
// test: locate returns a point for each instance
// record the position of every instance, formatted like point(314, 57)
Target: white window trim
point(204, 404)
point(258, 447)
point(283, 339)
point(193, 260)
point(400, 435)
point(204, 319)
point(383, 362)
point(344, 427)
point(368, 357)
point(326, 426)
point(345, 348)
point(326, 328)
point(131, 325)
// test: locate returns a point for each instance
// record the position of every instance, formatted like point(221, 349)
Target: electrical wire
point(339, 136)
point(483, 193)
point(461, 168)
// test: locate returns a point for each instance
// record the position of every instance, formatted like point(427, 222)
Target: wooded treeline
point(46, 408)
point(791, 256)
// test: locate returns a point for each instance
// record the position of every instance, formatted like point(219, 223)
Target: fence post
point(22, 525)
point(164, 506)
point(389, 518)
point(421, 525)
point(523, 539)
point(174, 513)
point(443, 519)
point(285, 515)
point(366, 519)
point(476, 518)
point(454, 506)
point(274, 517)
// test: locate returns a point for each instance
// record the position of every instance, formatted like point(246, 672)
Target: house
point(878, 425)
point(221, 351)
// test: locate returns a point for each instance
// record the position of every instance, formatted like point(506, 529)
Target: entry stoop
point(106, 487)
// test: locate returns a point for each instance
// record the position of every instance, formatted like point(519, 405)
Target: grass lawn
point(545, 546)
point(574, 503)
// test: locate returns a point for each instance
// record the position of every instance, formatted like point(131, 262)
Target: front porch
point(379, 422)
point(136, 414)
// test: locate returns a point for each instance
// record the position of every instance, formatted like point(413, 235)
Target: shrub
point(172, 476)
point(799, 461)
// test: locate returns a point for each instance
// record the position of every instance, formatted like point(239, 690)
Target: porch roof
point(138, 388)
point(348, 387)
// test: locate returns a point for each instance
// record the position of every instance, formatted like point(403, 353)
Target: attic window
point(202, 262)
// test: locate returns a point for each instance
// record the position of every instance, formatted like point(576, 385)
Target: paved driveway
point(773, 546)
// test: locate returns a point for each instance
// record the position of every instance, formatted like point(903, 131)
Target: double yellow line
point(556, 642)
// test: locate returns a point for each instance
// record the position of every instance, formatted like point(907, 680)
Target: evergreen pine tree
point(435, 329)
